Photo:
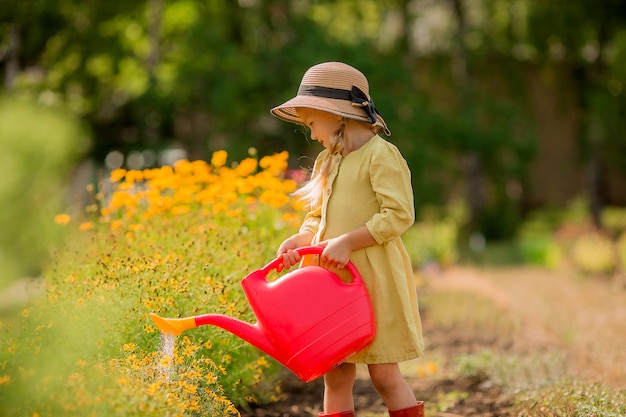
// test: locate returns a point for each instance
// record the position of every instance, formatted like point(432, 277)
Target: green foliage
point(39, 146)
point(614, 219)
point(444, 401)
point(537, 243)
point(540, 250)
point(594, 254)
point(571, 398)
point(432, 243)
point(434, 239)
point(513, 372)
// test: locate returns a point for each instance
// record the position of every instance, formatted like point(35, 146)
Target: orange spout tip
point(173, 326)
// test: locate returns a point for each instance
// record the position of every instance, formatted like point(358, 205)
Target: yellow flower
point(246, 167)
point(266, 162)
point(153, 389)
point(178, 210)
point(166, 361)
point(137, 227)
point(189, 350)
point(273, 198)
point(234, 213)
point(432, 367)
point(219, 208)
point(290, 186)
point(119, 199)
point(86, 226)
point(117, 175)
point(116, 224)
point(246, 186)
point(276, 163)
point(210, 378)
point(75, 377)
point(200, 168)
point(133, 176)
point(129, 347)
point(190, 388)
point(62, 219)
point(183, 167)
point(219, 158)
point(5, 379)
point(292, 219)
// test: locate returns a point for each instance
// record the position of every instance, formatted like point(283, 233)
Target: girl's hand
point(336, 252)
point(286, 250)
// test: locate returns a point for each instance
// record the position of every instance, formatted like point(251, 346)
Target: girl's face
point(322, 124)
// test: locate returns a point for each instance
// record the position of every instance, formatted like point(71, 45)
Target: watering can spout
point(251, 333)
point(173, 326)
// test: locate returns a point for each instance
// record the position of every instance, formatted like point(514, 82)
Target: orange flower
point(62, 219)
point(86, 226)
point(117, 175)
point(219, 158)
point(246, 167)
point(133, 176)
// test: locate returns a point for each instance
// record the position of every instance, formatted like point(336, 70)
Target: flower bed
point(175, 241)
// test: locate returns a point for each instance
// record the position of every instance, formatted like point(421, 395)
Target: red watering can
point(308, 320)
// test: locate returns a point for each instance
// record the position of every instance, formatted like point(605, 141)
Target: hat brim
point(287, 110)
point(343, 108)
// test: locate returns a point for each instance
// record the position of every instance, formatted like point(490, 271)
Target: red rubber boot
point(416, 411)
point(342, 414)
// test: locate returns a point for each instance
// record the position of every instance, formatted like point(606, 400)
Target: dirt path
point(585, 319)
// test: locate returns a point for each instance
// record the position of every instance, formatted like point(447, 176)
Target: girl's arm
point(337, 251)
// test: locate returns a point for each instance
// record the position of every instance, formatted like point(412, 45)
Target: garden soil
point(528, 296)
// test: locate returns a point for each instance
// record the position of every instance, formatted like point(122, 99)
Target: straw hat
point(337, 88)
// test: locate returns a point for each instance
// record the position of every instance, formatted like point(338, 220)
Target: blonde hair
point(311, 192)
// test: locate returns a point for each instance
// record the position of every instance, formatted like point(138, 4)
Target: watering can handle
point(313, 250)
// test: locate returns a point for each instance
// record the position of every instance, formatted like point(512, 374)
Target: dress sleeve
point(391, 181)
point(312, 220)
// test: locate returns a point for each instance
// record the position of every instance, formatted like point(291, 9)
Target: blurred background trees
point(510, 105)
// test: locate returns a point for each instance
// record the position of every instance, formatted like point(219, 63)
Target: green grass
point(571, 398)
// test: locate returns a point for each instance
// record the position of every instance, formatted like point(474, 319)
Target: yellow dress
point(372, 186)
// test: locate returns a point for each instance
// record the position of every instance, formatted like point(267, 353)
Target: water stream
point(166, 357)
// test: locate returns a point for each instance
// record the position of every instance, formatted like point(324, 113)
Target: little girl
point(360, 201)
